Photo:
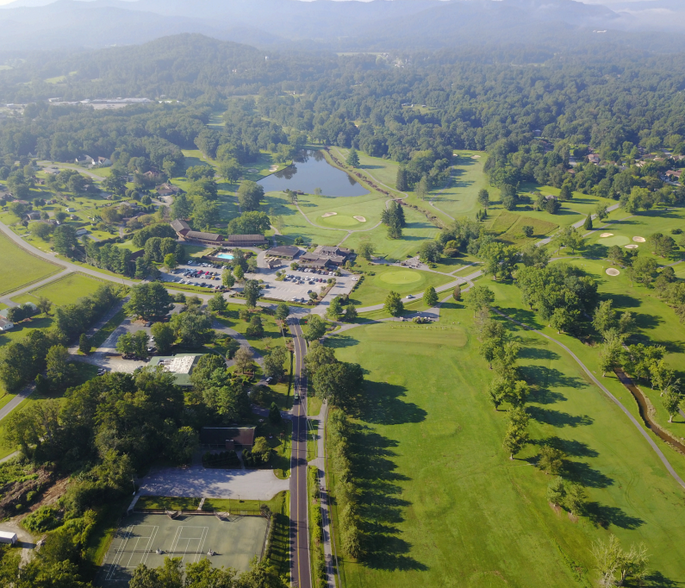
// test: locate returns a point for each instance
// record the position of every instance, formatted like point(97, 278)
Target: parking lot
point(196, 273)
point(296, 287)
point(298, 284)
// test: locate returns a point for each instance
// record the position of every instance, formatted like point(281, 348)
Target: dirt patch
point(361, 219)
point(51, 495)
point(16, 495)
point(327, 214)
point(556, 508)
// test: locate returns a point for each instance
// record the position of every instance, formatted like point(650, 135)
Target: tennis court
point(149, 538)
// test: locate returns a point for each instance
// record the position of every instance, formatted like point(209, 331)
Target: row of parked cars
point(302, 279)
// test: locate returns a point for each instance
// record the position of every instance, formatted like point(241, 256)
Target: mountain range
point(379, 25)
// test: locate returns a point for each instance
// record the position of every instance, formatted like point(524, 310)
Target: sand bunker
point(273, 168)
point(632, 246)
point(475, 157)
point(361, 219)
point(327, 214)
point(605, 235)
point(639, 239)
point(612, 271)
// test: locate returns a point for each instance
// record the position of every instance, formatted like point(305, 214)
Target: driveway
point(199, 482)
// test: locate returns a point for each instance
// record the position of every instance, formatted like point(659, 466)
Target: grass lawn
point(20, 268)
point(508, 226)
point(20, 330)
point(167, 503)
point(442, 500)
point(272, 334)
point(375, 288)
point(66, 290)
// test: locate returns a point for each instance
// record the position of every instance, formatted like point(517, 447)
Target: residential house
point(228, 438)
point(5, 325)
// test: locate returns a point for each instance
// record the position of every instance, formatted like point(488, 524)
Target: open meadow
point(20, 268)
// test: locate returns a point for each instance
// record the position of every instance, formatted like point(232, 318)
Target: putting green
point(339, 220)
point(611, 241)
point(401, 277)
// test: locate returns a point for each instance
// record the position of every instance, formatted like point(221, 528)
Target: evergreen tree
point(430, 297)
point(588, 223)
point(401, 182)
point(353, 158)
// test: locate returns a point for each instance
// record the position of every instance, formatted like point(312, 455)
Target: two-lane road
point(299, 564)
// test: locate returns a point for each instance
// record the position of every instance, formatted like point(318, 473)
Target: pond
point(310, 171)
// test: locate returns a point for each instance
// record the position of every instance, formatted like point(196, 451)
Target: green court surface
point(401, 277)
point(339, 220)
point(149, 538)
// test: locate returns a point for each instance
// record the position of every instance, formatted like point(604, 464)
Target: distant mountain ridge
point(339, 26)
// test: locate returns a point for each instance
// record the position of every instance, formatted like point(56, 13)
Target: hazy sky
point(3, 2)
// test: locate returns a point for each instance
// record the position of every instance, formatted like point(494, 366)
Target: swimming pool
point(224, 255)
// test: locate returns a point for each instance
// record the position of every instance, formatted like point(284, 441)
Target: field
point(66, 290)
point(20, 269)
point(149, 538)
point(442, 500)
point(374, 289)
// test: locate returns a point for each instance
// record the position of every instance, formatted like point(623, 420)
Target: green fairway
point(441, 500)
point(21, 269)
point(66, 290)
point(375, 288)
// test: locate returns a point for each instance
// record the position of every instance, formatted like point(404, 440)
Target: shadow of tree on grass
point(382, 403)
point(604, 516)
point(557, 418)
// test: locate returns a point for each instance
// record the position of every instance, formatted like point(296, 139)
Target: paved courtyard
point(199, 482)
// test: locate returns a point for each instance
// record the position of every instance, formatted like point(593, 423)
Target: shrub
point(44, 519)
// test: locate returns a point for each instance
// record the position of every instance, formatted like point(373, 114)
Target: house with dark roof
point(284, 251)
point(246, 240)
point(324, 256)
point(181, 227)
point(209, 238)
point(228, 437)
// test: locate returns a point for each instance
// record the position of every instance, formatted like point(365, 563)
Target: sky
point(607, 2)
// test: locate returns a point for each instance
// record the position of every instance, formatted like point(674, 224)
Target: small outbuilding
point(8, 538)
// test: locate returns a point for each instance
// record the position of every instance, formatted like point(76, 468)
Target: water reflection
point(310, 171)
